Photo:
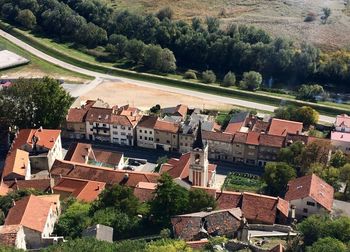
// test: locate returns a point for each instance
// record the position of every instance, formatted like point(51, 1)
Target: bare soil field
point(279, 17)
point(125, 93)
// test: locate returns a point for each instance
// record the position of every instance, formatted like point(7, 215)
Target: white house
point(145, 132)
point(309, 195)
point(342, 123)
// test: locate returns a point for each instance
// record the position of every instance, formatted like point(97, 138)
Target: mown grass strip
point(233, 93)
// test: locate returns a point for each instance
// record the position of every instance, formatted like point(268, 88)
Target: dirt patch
point(142, 97)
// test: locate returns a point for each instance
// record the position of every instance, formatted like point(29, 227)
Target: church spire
point(198, 142)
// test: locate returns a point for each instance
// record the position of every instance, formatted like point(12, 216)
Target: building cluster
point(35, 161)
point(248, 139)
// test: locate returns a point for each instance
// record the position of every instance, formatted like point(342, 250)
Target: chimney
point(13, 202)
point(292, 212)
point(40, 128)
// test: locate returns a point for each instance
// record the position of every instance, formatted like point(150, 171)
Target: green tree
point(208, 76)
point(292, 154)
point(276, 176)
point(213, 24)
point(120, 198)
point(165, 245)
point(309, 92)
point(168, 61)
point(327, 173)
point(86, 244)
point(119, 42)
point(171, 199)
point(74, 220)
point(307, 115)
point(344, 177)
point(33, 103)
point(229, 80)
point(200, 200)
point(327, 244)
point(190, 74)
point(165, 12)
point(251, 81)
point(326, 14)
point(135, 50)
point(315, 152)
point(338, 159)
point(26, 18)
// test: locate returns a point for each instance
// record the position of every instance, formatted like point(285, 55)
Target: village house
point(309, 195)
point(257, 208)
point(193, 168)
point(166, 135)
point(269, 146)
point(37, 215)
point(12, 236)
point(145, 131)
point(145, 191)
point(251, 151)
point(68, 169)
point(84, 153)
point(178, 111)
point(81, 189)
point(279, 127)
point(340, 141)
point(195, 226)
point(42, 185)
point(342, 123)
point(220, 145)
point(75, 126)
point(32, 150)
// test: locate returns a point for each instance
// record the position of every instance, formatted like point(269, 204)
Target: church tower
point(199, 161)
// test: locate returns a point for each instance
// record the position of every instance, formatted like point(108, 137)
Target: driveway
point(341, 208)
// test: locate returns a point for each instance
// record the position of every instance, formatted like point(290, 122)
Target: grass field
point(243, 182)
point(280, 18)
point(37, 67)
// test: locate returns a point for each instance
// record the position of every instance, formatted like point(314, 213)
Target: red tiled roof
point(233, 128)
point(311, 186)
point(217, 136)
point(240, 137)
point(8, 235)
point(77, 152)
point(147, 121)
point(144, 191)
point(4, 189)
point(181, 109)
point(271, 140)
point(178, 168)
point(95, 173)
point(31, 212)
point(281, 127)
point(16, 163)
point(83, 190)
point(253, 138)
point(108, 157)
point(43, 185)
point(166, 126)
point(257, 208)
point(79, 114)
point(101, 115)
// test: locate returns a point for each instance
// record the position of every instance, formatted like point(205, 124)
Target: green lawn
point(73, 56)
point(243, 182)
point(38, 66)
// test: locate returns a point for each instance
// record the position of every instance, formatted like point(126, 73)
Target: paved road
point(99, 76)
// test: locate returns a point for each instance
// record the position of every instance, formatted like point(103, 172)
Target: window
point(181, 144)
point(140, 131)
point(145, 138)
point(122, 133)
point(167, 141)
point(104, 131)
point(104, 125)
point(122, 127)
point(97, 124)
point(146, 131)
point(157, 139)
point(309, 203)
point(140, 137)
point(305, 210)
point(174, 136)
point(151, 138)
point(129, 128)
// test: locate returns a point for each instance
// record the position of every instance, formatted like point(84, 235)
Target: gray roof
point(236, 212)
point(239, 117)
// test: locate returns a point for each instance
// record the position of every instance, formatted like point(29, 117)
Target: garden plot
point(9, 59)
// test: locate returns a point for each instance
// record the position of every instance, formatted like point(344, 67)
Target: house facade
point(13, 236)
point(145, 131)
point(166, 135)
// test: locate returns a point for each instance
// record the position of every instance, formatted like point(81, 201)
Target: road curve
point(100, 76)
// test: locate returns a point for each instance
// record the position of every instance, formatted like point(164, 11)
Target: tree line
point(200, 45)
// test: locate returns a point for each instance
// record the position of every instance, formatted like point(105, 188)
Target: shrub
point(190, 74)
point(208, 76)
point(229, 80)
point(251, 81)
point(310, 17)
point(166, 12)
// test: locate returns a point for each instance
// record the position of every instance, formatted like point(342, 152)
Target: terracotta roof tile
point(217, 136)
point(178, 168)
point(281, 127)
point(144, 191)
point(4, 189)
point(108, 157)
point(233, 128)
point(181, 109)
point(81, 189)
point(240, 137)
point(31, 212)
point(166, 126)
point(253, 138)
point(101, 115)
point(95, 173)
point(79, 114)
point(271, 140)
point(311, 186)
point(147, 121)
point(16, 163)
point(77, 152)
point(43, 185)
